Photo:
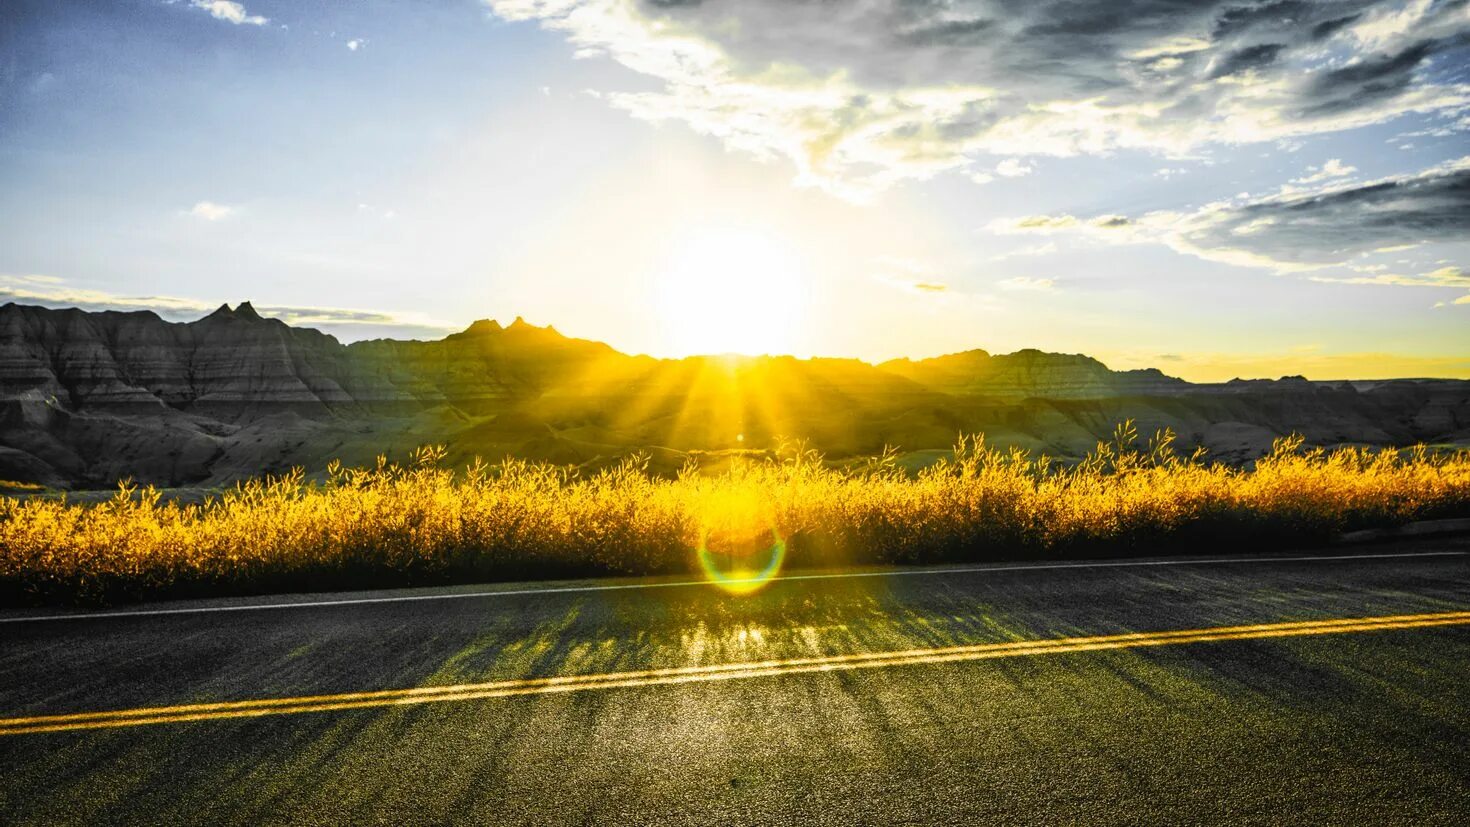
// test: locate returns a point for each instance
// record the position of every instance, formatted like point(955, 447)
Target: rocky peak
point(244, 311)
point(483, 327)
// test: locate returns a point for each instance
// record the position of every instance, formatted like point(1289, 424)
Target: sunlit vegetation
point(420, 523)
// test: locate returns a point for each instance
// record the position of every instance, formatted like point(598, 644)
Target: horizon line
point(520, 322)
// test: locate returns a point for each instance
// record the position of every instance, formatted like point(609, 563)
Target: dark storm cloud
point(947, 79)
point(1300, 229)
point(1238, 19)
point(891, 42)
point(1247, 59)
point(1367, 81)
point(1328, 28)
point(1336, 224)
point(949, 33)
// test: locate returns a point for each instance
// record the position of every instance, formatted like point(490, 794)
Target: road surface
point(1322, 686)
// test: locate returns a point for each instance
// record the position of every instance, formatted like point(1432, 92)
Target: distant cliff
point(87, 398)
point(237, 363)
point(1030, 374)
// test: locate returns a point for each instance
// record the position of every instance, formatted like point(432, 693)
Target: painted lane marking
point(612, 587)
point(144, 716)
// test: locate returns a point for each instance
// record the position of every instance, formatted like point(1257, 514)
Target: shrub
point(419, 523)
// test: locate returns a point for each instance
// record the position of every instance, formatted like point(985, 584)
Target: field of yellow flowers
point(421, 523)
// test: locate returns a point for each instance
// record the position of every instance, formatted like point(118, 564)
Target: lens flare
point(745, 568)
point(740, 548)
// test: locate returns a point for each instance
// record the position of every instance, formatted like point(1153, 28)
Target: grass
point(421, 523)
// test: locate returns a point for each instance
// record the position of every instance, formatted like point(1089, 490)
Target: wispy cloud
point(1045, 249)
point(909, 276)
point(1303, 231)
point(51, 291)
point(56, 292)
point(913, 285)
point(386, 213)
point(1035, 223)
point(229, 11)
point(861, 95)
point(210, 211)
point(1443, 277)
point(1027, 283)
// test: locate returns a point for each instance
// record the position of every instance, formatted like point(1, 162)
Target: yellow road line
point(717, 672)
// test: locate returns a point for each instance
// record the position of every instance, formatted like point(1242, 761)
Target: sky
point(1215, 189)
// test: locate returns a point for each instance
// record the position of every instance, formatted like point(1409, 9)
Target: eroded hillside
point(92, 397)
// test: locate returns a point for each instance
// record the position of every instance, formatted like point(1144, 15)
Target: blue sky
point(1230, 189)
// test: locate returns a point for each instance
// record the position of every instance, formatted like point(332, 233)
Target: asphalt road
point(577, 703)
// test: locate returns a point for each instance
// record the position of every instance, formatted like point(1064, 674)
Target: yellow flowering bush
point(421, 523)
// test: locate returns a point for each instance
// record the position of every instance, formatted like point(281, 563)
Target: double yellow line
point(720, 672)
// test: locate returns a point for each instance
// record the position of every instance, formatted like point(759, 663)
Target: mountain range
point(87, 398)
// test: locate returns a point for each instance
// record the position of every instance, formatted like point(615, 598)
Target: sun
point(731, 291)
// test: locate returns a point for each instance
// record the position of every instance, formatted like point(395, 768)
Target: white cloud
point(860, 95)
point(355, 44)
point(1383, 26)
point(229, 11)
point(1334, 168)
point(210, 211)
point(1013, 168)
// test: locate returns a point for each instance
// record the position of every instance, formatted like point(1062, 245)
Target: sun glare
point(731, 291)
